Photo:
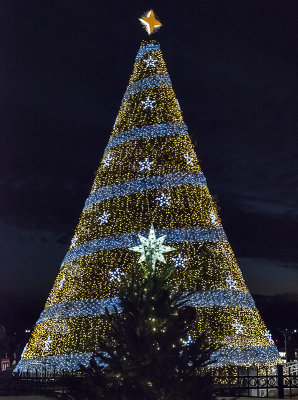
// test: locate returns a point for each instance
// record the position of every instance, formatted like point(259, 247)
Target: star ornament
point(151, 24)
point(152, 248)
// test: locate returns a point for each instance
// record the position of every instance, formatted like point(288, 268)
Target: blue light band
point(148, 132)
point(66, 362)
point(97, 307)
point(147, 49)
point(240, 356)
point(125, 240)
point(217, 298)
point(79, 308)
point(140, 185)
point(150, 82)
point(243, 355)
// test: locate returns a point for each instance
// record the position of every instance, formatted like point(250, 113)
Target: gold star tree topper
point(150, 23)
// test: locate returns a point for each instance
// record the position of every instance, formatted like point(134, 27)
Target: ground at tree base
point(52, 398)
point(26, 398)
point(250, 398)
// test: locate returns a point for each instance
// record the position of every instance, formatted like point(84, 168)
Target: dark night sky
point(64, 67)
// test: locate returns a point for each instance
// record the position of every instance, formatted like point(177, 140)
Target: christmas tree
point(147, 352)
point(149, 174)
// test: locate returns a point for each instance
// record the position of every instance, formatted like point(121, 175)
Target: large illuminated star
point(152, 248)
point(150, 22)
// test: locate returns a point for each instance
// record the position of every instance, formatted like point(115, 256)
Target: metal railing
point(292, 367)
point(280, 382)
point(253, 382)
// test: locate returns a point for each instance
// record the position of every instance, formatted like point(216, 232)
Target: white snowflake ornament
point(61, 283)
point(148, 103)
point(188, 341)
point(269, 336)
point(145, 165)
point(74, 241)
point(150, 61)
point(107, 160)
point(188, 159)
point(180, 261)
point(116, 275)
point(103, 218)
point(47, 343)
point(231, 283)
point(164, 200)
point(213, 217)
point(238, 327)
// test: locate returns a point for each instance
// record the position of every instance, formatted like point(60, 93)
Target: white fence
point(292, 368)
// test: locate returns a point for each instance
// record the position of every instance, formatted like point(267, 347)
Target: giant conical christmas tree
point(149, 174)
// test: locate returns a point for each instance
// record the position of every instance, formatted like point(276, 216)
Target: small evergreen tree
point(147, 353)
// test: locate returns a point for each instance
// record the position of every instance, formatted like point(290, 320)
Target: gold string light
point(144, 151)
